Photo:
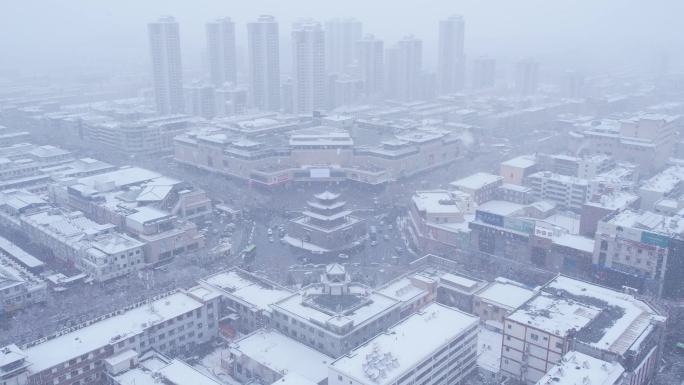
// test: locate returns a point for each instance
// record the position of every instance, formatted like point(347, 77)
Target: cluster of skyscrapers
point(333, 64)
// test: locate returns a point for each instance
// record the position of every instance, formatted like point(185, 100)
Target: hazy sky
point(44, 34)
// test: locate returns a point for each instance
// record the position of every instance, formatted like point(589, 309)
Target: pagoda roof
point(332, 217)
point(327, 195)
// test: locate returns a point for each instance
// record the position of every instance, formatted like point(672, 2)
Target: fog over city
point(341, 192)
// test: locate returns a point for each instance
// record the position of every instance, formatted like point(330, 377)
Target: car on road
point(270, 239)
point(385, 237)
point(270, 232)
point(343, 256)
point(373, 243)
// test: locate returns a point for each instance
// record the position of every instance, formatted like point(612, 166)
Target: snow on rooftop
point(376, 304)
point(438, 201)
point(665, 181)
point(476, 181)
point(489, 349)
point(403, 289)
point(575, 242)
point(554, 315)
point(503, 208)
point(523, 161)
point(458, 280)
point(109, 330)
point(506, 293)
point(624, 331)
point(577, 368)
point(407, 343)
point(614, 201)
point(284, 355)
point(248, 288)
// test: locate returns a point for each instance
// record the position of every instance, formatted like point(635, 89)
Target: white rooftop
point(109, 330)
point(476, 181)
point(506, 293)
point(619, 336)
point(554, 315)
point(406, 344)
point(247, 288)
point(503, 208)
point(577, 368)
point(284, 355)
point(523, 161)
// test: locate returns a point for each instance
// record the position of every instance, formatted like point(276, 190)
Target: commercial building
point(320, 154)
point(598, 207)
point(440, 217)
point(646, 140)
point(639, 249)
point(335, 315)
point(437, 345)
point(155, 209)
point(95, 249)
point(169, 323)
point(573, 315)
point(167, 71)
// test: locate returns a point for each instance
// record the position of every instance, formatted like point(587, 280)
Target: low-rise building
point(569, 314)
point(668, 183)
point(19, 287)
point(169, 323)
point(601, 206)
point(578, 368)
point(640, 249)
point(267, 355)
point(499, 299)
point(480, 186)
point(97, 250)
point(131, 368)
point(440, 217)
point(566, 191)
point(246, 300)
point(514, 171)
point(335, 315)
point(435, 346)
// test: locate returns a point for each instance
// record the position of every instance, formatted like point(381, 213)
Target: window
point(534, 337)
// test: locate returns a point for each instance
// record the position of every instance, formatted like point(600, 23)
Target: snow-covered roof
point(147, 214)
point(283, 354)
point(247, 287)
point(623, 332)
point(577, 368)
point(503, 208)
point(476, 181)
point(489, 349)
point(578, 242)
point(507, 293)
point(614, 201)
point(17, 253)
point(523, 161)
point(107, 331)
point(665, 181)
point(439, 201)
point(405, 345)
point(554, 315)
